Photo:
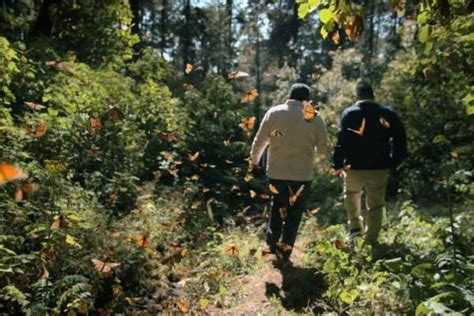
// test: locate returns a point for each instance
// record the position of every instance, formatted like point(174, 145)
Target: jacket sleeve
point(399, 141)
point(261, 140)
point(322, 140)
point(339, 156)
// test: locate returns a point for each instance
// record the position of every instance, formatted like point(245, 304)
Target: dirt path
point(295, 287)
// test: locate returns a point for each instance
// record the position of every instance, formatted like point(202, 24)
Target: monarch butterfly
point(309, 112)
point(34, 106)
point(60, 65)
point(37, 129)
point(361, 129)
point(294, 197)
point(276, 133)
point(226, 143)
point(141, 241)
point(384, 122)
point(336, 38)
point(250, 96)
point(95, 125)
point(283, 212)
point(232, 250)
point(93, 152)
point(339, 244)
point(273, 189)
point(113, 114)
point(60, 222)
point(188, 68)
point(248, 178)
point(10, 173)
point(188, 86)
point(253, 194)
point(237, 74)
point(284, 247)
point(104, 267)
point(18, 194)
point(192, 157)
point(247, 124)
point(30, 187)
point(182, 305)
point(171, 136)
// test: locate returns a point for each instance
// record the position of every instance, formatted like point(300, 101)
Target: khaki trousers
point(374, 183)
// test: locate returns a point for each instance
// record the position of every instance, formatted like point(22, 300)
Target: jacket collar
point(366, 102)
point(293, 102)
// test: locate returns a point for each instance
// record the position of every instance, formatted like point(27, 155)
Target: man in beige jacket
point(293, 132)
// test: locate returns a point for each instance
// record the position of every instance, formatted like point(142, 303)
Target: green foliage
point(406, 273)
point(8, 68)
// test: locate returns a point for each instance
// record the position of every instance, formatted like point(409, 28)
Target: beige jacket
point(292, 142)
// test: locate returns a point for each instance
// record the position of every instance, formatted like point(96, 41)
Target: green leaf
point(424, 34)
point(422, 18)
point(72, 241)
point(203, 303)
point(468, 101)
point(303, 10)
point(434, 308)
point(326, 15)
point(393, 265)
point(349, 297)
point(324, 32)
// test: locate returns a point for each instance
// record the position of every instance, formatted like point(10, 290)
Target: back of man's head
point(299, 91)
point(364, 90)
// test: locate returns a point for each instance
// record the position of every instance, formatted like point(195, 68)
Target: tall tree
point(44, 22)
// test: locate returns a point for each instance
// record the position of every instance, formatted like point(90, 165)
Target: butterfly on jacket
point(309, 111)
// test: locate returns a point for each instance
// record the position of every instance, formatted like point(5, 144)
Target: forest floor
point(276, 289)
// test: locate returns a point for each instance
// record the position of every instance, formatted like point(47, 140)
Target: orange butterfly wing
point(188, 68)
point(309, 112)
point(232, 250)
point(250, 96)
point(237, 74)
point(273, 189)
point(141, 241)
point(10, 173)
point(104, 267)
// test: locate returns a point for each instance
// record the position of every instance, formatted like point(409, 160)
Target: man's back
point(291, 140)
point(371, 137)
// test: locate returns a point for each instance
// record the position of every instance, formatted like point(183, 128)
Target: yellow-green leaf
point(324, 32)
point(326, 15)
point(303, 10)
point(72, 241)
point(424, 34)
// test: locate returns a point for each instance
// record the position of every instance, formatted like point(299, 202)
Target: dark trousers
point(285, 218)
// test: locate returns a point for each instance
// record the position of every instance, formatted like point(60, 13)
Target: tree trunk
point(257, 77)
point(186, 33)
point(135, 7)
point(295, 27)
point(44, 23)
point(229, 39)
point(164, 27)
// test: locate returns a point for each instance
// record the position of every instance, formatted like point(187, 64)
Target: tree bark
point(186, 33)
point(44, 22)
point(229, 39)
point(135, 7)
point(164, 27)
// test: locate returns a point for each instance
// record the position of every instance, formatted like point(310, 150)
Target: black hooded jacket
point(371, 137)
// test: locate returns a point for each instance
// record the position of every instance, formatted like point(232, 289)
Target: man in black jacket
point(371, 140)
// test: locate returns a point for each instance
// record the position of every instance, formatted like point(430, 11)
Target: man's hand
point(342, 171)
